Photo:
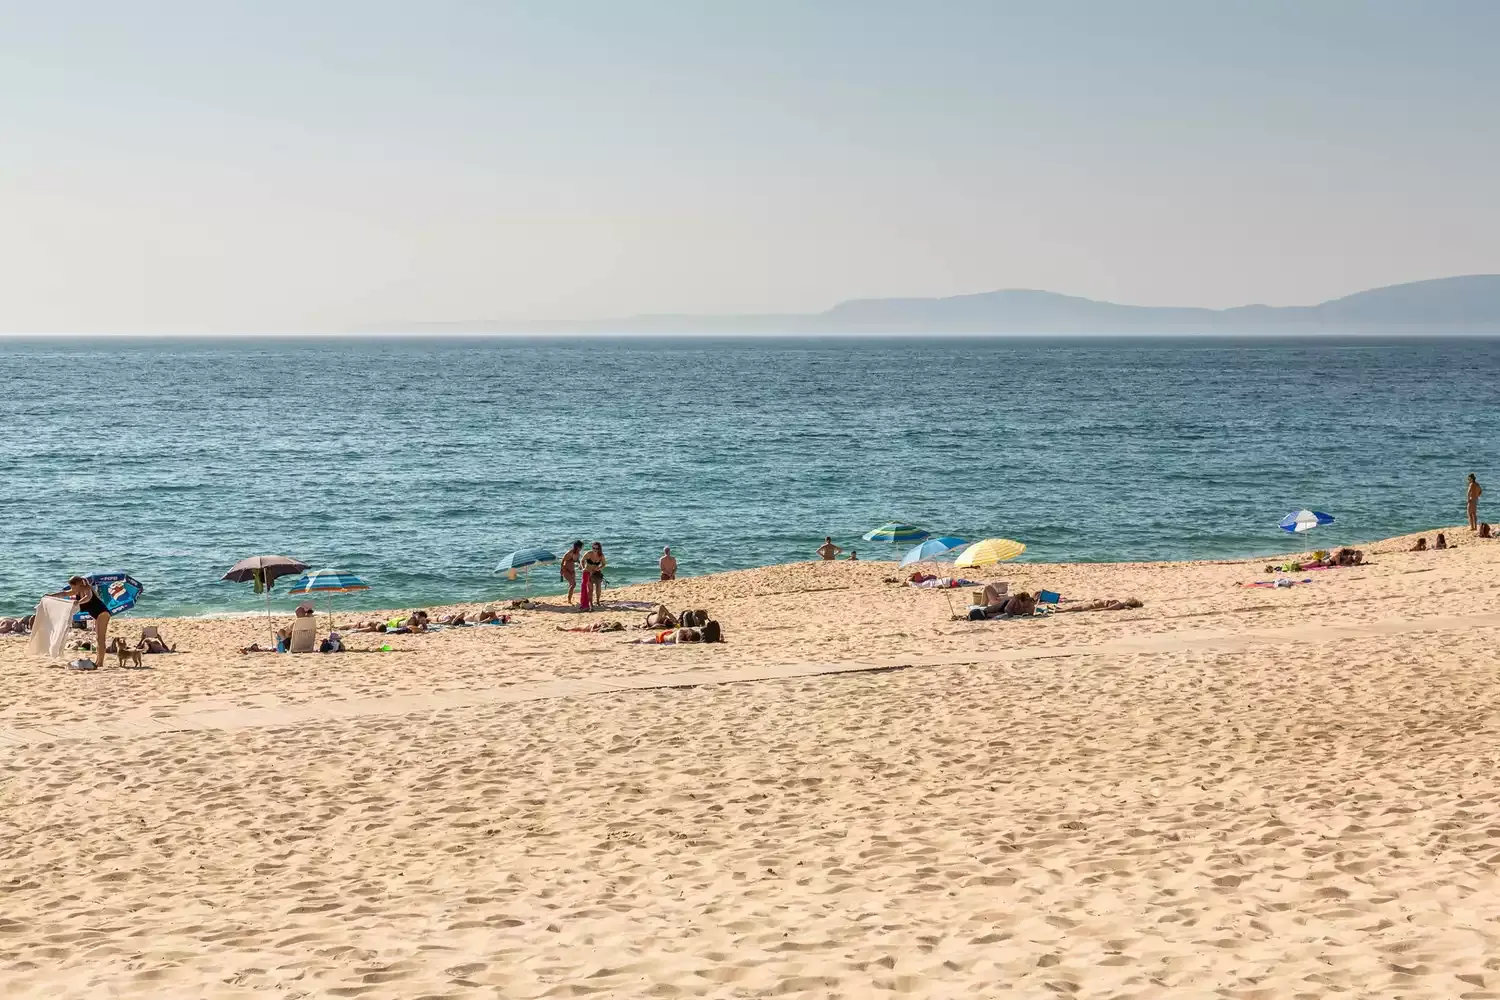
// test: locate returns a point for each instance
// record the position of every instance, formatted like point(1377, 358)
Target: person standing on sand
point(568, 569)
point(593, 572)
point(668, 564)
point(1475, 490)
point(87, 600)
point(828, 550)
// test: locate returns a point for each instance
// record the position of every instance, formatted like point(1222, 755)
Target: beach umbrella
point(931, 549)
point(263, 571)
point(524, 559)
point(267, 569)
point(989, 552)
point(327, 581)
point(1305, 520)
point(896, 532)
point(117, 589)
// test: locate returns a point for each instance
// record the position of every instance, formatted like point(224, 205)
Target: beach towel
point(1278, 584)
point(50, 631)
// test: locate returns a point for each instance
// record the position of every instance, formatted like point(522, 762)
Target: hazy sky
point(328, 164)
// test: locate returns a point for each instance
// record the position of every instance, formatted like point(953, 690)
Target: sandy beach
point(1231, 791)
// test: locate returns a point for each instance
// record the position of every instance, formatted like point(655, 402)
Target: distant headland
point(1465, 304)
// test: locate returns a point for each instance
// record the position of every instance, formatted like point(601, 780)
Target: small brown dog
point(128, 656)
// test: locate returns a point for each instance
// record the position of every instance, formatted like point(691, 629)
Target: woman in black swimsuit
point(85, 599)
point(593, 570)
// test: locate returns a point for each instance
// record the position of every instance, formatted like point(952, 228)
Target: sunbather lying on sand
point(364, 627)
point(151, 642)
point(710, 632)
point(1103, 605)
point(1022, 605)
point(16, 626)
point(283, 639)
point(417, 621)
point(596, 627)
point(660, 617)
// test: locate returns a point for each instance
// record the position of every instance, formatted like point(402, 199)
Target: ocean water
point(419, 463)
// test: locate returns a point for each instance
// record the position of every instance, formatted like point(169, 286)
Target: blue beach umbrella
point(327, 581)
point(896, 532)
point(931, 549)
point(1304, 520)
point(117, 589)
point(524, 559)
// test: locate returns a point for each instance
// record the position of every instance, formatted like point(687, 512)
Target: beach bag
point(976, 614)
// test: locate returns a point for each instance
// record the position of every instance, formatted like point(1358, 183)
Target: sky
point(279, 165)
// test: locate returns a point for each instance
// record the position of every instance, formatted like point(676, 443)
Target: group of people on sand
point(590, 563)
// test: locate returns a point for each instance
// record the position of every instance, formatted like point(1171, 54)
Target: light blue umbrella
point(896, 532)
point(524, 559)
point(931, 549)
point(327, 581)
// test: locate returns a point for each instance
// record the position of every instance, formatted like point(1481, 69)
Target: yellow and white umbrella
point(989, 552)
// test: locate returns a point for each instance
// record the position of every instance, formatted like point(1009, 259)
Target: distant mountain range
point(1469, 304)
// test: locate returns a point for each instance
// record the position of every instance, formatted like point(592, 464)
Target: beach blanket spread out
point(50, 631)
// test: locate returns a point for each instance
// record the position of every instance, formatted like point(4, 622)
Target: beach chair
point(304, 635)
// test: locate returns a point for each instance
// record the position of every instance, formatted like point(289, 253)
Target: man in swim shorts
point(828, 550)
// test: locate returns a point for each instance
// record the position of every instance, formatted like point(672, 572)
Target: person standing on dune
point(1474, 492)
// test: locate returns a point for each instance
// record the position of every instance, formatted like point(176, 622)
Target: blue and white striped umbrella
point(327, 581)
point(521, 558)
point(896, 532)
point(931, 549)
point(1305, 520)
point(118, 590)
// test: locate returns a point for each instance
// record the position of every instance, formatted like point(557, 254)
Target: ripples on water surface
point(418, 464)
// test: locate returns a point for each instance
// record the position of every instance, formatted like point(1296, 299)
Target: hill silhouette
point(1469, 304)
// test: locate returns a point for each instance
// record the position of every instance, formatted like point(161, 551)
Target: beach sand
point(1230, 792)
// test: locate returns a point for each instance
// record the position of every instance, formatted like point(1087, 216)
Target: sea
point(418, 463)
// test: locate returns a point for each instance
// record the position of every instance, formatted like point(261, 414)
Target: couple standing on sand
point(593, 572)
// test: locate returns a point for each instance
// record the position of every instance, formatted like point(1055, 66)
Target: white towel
point(49, 633)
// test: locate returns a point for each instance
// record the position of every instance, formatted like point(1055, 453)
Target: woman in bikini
point(87, 600)
point(568, 569)
point(593, 572)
